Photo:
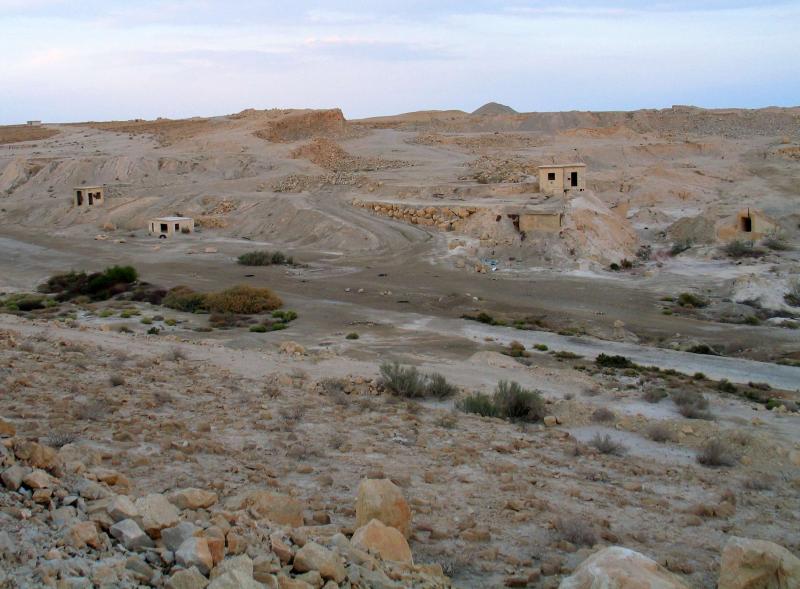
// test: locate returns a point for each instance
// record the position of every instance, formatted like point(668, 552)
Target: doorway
point(573, 179)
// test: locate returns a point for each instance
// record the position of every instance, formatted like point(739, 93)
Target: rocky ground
point(491, 502)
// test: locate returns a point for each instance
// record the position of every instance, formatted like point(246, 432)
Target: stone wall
point(440, 217)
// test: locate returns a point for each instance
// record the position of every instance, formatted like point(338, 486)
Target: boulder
point(7, 429)
point(38, 479)
point(314, 557)
point(620, 568)
point(280, 509)
point(192, 498)
point(130, 535)
point(37, 455)
point(157, 513)
point(242, 564)
point(175, 536)
point(12, 477)
point(187, 579)
point(235, 580)
point(381, 499)
point(385, 540)
point(121, 507)
point(194, 552)
point(758, 564)
point(84, 534)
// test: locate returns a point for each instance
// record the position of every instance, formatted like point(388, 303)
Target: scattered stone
point(38, 479)
point(84, 534)
point(192, 498)
point(194, 552)
point(620, 568)
point(279, 509)
point(13, 476)
point(385, 540)
point(157, 513)
point(758, 564)
point(187, 579)
point(381, 499)
point(130, 535)
point(175, 536)
point(314, 557)
point(121, 507)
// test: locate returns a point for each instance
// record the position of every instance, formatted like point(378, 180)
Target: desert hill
point(494, 109)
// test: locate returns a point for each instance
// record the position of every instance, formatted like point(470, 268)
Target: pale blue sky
point(64, 60)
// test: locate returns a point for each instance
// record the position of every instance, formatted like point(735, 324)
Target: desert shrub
point(725, 386)
point(613, 361)
point(264, 258)
point(153, 331)
point(699, 376)
point(224, 320)
point(703, 349)
point(258, 328)
point(741, 249)
point(603, 415)
point(246, 300)
point(116, 380)
point(792, 297)
point(516, 350)
point(403, 381)
point(679, 247)
point(60, 439)
point(654, 395)
point(352, 335)
point(478, 403)
point(659, 432)
point(175, 355)
point(566, 355)
point(26, 302)
point(285, 316)
point(183, 298)
point(91, 411)
point(606, 445)
point(541, 347)
point(776, 243)
point(716, 453)
point(438, 387)
point(691, 405)
point(687, 299)
point(576, 530)
point(447, 421)
point(98, 286)
point(517, 403)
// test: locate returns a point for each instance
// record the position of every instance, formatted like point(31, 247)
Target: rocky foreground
point(124, 466)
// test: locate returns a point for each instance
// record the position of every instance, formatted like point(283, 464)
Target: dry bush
point(96, 410)
point(116, 380)
point(60, 439)
point(175, 355)
point(334, 389)
point(691, 405)
point(242, 299)
point(448, 420)
point(606, 445)
point(603, 415)
point(576, 530)
point(760, 482)
point(660, 432)
point(161, 398)
point(654, 395)
point(717, 453)
point(336, 440)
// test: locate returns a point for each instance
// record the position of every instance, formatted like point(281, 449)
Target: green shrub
point(264, 258)
point(517, 403)
point(776, 243)
point(171, 322)
point(605, 445)
point(566, 355)
point(285, 316)
point(242, 299)
point(716, 453)
point(146, 321)
point(516, 350)
point(438, 387)
point(478, 403)
point(679, 247)
point(613, 361)
point(352, 335)
point(403, 381)
point(278, 326)
point(153, 331)
point(703, 349)
point(258, 328)
point(741, 249)
point(183, 298)
point(792, 297)
point(541, 347)
point(98, 286)
point(687, 299)
point(726, 386)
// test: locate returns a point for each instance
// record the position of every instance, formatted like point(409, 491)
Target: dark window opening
point(91, 199)
point(551, 176)
point(164, 228)
point(747, 224)
point(573, 178)
point(79, 196)
point(177, 227)
point(515, 221)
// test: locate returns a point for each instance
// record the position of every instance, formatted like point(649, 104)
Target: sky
point(78, 60)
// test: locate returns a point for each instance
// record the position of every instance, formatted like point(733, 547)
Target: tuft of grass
point(691, 405)
point(60, 439)
point(603, 415)
point(716, 453)
point(687, 299)
point(608, 361)
point(478, 403)
point(792, 297)
point(606, 445)
point(737, 249)
point(408, 382)
point(654, 395)
point(438, 387)
point(659, 432)
point(352, 335)
point(726, 386)
point(576, 530)
point(776, 243)
point(517, 403)
point(264, 258)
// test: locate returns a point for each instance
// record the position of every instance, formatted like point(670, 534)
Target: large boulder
point(280, 509)
point(620, 568)
point(381, 499)
point(385, 540)
point(156, 513)
point(192, 498)
point(194, 552)
point(313, 557)
point(130, 535)
point(758, 564)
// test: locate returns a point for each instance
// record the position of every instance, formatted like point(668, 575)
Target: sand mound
point(698, 229)
point(493, 109)
point(595, 232)
point(304, 124)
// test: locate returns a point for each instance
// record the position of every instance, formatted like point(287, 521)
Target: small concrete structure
point(34, 123)
point(168, 226)
point(560, 179)
point(748, 224)
point(545, 222)
point(88, 196)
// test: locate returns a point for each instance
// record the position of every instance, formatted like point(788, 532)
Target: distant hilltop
point(495, 109)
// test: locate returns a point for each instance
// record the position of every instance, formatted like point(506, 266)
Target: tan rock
point(187, 579)
point(314, 557)
point(279, 509)
point(280, 548)
point(550, 420)
point(620, 568)
point(194, 552)
point(84, 534)
point(121, 507)
point(381, 499)
point(192, 498)
point(385, 540)
point(7, 429)
point(38, 479)
point(12, 476)
point(235, 580)
point(157, 513)
point(758, 564)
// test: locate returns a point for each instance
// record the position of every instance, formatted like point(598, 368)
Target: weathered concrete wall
point(733, 228)
point(440, 217)
point(562, 179)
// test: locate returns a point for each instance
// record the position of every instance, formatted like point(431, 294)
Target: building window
point(551, 176)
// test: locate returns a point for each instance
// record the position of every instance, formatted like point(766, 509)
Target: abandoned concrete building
point(560, 179)
point(748, 224)
point(168, 226)
point(88, 195)
point(34, 123)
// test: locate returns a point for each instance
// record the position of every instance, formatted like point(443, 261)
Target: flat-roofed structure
point(88, 196)
point(562, 178)
point(165, 227)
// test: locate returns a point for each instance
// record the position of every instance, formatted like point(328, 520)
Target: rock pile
point(442, 218)
point(329, 155)
point(66, 525)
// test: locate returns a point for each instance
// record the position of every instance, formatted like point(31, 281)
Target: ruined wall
point(733, 227)
point(548, 223)
point(440, 217)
